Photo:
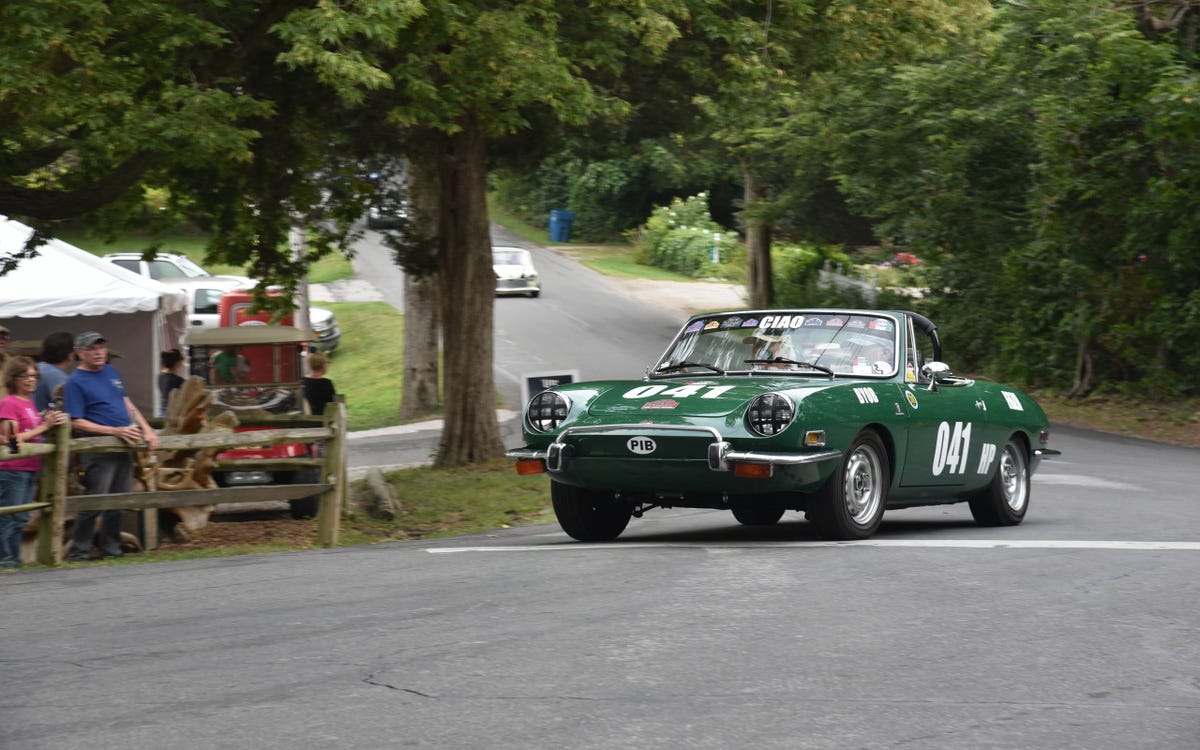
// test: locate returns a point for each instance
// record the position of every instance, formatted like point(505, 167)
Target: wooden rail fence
point(56, 504)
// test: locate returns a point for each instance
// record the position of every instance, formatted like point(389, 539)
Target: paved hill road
point(583, 321)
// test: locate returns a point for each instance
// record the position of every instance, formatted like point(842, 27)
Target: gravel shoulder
point(685, 298)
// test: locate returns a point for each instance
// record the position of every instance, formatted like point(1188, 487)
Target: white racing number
point(953, 445)
point(682, 391)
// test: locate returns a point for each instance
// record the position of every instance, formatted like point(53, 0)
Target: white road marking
point(1082, 480)
point(912, 543)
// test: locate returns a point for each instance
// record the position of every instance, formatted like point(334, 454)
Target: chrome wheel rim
point(1014, 478)
point(862, 486)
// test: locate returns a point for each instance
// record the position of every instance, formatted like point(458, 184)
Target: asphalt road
point(1076, 629)
point(581, 322)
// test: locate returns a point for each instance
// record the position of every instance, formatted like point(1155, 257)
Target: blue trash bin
point(560, 225)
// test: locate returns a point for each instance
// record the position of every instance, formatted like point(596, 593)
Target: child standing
point(318, 389)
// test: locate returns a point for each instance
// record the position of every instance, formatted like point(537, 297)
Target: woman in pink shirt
point(18, 478)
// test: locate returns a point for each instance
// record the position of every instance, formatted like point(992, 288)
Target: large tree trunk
point(468, 286)
point(419, 389)
point(758, 245)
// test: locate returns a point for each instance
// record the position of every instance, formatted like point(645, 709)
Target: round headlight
point(770, 413)
point(547, 410)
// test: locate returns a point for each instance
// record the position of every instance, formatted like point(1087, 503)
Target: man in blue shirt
point(95, 398)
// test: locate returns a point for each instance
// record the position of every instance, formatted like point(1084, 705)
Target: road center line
point(911, 543)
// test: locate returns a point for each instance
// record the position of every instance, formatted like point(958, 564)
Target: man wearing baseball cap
point(95, 398)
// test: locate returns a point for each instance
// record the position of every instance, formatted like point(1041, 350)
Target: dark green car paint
point(942, 438)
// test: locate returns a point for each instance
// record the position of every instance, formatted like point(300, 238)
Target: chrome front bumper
point(721, 455)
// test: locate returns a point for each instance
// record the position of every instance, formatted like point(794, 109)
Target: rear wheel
point(757, 515)
point(850, 505)
point(305, 507)
point(1006, 498)
point(587, 515)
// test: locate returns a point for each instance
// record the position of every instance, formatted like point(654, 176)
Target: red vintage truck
point(255, 370)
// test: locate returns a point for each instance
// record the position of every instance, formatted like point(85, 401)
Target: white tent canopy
point(68, 289)
point(64, 280)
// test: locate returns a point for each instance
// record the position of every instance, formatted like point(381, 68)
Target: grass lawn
point(367, 364)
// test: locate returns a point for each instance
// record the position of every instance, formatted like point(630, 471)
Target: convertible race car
point(840, 414)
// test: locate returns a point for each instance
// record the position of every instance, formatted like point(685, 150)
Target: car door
point(949, 437)
point(204, 312)
point(947, 434)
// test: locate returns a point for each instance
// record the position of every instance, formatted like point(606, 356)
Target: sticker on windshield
point(694, 327)
point(782, 321)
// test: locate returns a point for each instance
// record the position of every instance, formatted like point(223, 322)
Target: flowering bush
point(681, 238)
point(902, 259)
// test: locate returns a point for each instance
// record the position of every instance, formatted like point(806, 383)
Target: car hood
point(319, 316)
point(639, 400)
point(512, 272)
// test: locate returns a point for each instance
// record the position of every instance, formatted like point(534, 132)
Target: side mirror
point(935, 373)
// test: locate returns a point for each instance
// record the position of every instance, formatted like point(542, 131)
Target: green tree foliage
point(1047, 169)
point(610, 195)
point(205, 103)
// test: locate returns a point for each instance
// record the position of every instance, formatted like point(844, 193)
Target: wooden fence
point(56, 455)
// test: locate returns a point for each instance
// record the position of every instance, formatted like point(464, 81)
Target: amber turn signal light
point(527, 466)
point(753, 471)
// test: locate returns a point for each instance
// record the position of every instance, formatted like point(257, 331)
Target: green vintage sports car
point(838, 413)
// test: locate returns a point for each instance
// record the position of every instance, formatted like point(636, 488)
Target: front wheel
point(1006, 498)
point(850, 505)
point(589, 516)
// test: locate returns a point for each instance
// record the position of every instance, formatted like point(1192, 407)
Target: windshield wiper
point(685, 365)
point(786, 361)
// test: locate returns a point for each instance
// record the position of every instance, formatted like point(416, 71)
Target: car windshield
point(190, 268)
point(508, 257)
point(802, 343)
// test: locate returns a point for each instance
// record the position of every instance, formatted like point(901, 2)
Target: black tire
point(1006, 498)
point(758, 515)
point(589, 516)
point(851, 504)
point(305, 507)
point(535, 294)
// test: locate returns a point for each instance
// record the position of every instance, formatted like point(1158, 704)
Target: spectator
point(18, 478)
point(318, 390)
point(4, 333)
point(54, 368)
point(98, 405)
point(168, 377)
point(228, 367)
